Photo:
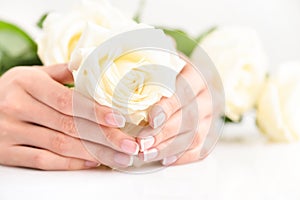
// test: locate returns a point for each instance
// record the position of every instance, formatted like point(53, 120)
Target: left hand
point(180, 123)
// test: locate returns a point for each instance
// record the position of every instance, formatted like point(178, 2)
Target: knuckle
point(15, 108)
point(201, 134)
point(60, 143)
point(68, 125)
point(21, 75)
point(170, 105)
point(64, 101)
point(67, 164)
point(197, 141)
point(204, 100)
point(187, 94)
point(104, 155)
point(100, 155)
point(109, 136)
point(10, 106)
point(4, 128)
point(15, 72)
point(39, 162)
point(191, 113)
point(165, 134)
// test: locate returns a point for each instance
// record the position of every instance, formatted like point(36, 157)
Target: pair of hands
point(38, 125)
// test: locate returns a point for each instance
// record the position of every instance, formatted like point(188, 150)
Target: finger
point(108, 156)
point(59, 73)
point(192, 155)
point(41, 137)
point(74, 126)
point(188, 85)
point(90, 131)
point(179, 143)
point(68, 101)
point(20, 156)
point(37, 136)
point(178, 123)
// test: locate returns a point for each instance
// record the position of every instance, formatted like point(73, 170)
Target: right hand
point(38, 125)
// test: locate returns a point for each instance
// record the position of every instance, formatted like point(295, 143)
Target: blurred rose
point(277, 113)
point(62, 31)
point(238, 55)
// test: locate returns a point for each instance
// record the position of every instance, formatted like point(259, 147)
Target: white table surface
point(243, 165)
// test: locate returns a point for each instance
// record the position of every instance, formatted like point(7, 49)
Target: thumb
point(59, 73)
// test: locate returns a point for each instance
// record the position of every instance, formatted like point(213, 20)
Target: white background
point(277, 21)
point(243, 166)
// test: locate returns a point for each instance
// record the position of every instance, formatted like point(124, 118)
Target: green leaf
point(16, 48)
point(70, 85)
point(184, 42)
point(227, 120)
point(206, 33)
point(139, 12)
point(41, 20)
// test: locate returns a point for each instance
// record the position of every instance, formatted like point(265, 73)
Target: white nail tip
point(137, 150)
point(131, 161)
point(151, 154)
point(169, 160)
point(146, 143)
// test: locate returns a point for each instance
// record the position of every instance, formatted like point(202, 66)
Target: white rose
point(62, 31)
point(277, 113)
point(92, 37)
point(238, 56)
point(129, 82)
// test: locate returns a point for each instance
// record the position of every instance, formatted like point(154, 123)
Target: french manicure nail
point(159, 120)
point(146, 143)
point(123, 159)
point(115, 119)
point(169, 160)
point(130, 147)
point(91, 164)
point(150, 154)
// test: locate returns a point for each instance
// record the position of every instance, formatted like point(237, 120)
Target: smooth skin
point(38, 124)
point(185, 121)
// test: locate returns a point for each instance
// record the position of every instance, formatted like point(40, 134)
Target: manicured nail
point(150, 154)
point(123, 159)
point(146, 143)
point(159, 120)
point(115, 119)
point(169, 160)
point(91, 164)
point(130, 147)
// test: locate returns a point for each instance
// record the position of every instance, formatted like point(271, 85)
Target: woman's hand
point(179, 124)
point(39, 117)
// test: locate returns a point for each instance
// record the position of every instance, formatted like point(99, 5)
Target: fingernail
point(169, 160)
point(159, 120)
point(115, 119)
point(91, 164)
point(150, 154)
point(130, 147)
point(123, 159)
point(146, 143)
